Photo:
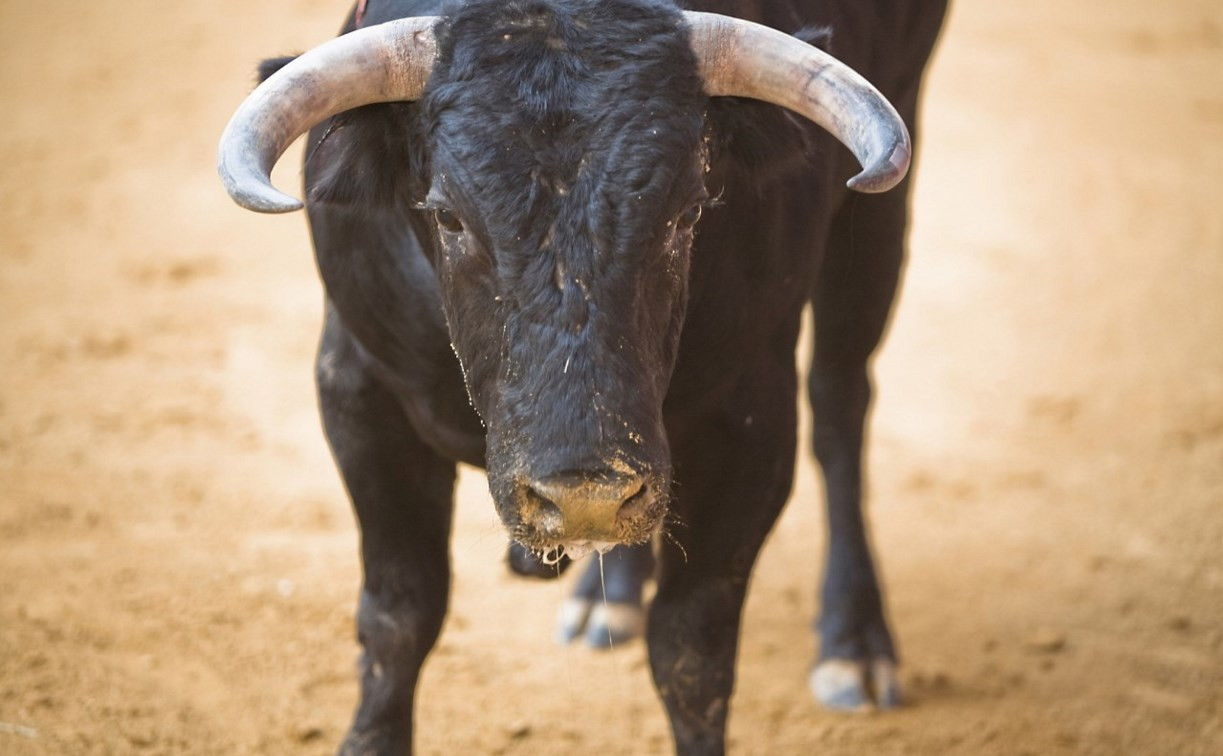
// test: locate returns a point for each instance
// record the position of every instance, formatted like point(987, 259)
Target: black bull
point(516, 278)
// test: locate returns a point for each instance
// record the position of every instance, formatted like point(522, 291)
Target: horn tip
point(269, 203)
point(883, 175)
point(263, 198)
point(245, 175)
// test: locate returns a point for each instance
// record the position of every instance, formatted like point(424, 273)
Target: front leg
point(733, 474)
point(401, 494)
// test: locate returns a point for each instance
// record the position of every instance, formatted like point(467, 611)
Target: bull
point(504, 200)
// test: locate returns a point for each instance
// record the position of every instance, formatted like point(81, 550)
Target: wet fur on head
point(376, 154)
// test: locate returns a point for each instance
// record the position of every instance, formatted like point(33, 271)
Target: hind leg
point(852, 301)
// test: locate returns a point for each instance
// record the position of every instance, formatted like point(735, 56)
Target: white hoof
point(840, 684)
point(845, 685)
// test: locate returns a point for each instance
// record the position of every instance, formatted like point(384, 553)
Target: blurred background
point(178, 567)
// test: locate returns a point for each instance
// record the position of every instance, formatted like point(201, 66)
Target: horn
point(382, 63)
point(739, 58)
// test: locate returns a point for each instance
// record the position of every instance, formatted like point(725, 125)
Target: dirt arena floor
point(178, 566)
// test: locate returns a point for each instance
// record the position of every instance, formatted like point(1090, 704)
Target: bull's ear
point(369, 158)
point(272, 65)
point(755, 142)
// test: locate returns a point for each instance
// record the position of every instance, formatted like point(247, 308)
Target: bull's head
point(566, 171)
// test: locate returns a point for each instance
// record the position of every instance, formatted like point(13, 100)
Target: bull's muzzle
point(576, 508)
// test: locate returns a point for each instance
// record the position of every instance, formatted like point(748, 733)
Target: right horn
point(740, 58)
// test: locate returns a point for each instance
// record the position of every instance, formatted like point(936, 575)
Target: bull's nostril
point(595, 506)
point(633, 490)
point(541, 513)
point(636, 504)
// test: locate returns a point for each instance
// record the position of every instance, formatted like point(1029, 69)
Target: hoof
point(612, 625)
point(853, 686)
point(571, 620)
point(601, 625)
point(840, 685)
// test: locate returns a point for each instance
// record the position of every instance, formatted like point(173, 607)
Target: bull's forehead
point(576, 190)
point(538, 101)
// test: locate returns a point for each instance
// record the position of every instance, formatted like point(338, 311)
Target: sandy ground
point(178, 566)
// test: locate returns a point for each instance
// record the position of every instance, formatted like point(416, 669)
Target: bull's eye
point(447, 220)
point(690, 217)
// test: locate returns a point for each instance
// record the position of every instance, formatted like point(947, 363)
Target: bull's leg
point(402, 496)
point(607, 605)
point(732, 476)
point(852, 300)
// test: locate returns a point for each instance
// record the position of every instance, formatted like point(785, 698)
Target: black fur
point(564, 180)
point(532, 216)
point(272, 65)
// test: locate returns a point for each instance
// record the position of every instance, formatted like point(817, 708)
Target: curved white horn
point(743, 59)
point(384, 63)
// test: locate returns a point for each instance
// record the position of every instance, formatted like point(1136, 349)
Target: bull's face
point(565, 160)
point(565, 181)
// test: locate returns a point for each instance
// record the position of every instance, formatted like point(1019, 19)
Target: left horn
point(739, 58)
point(384, 63)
